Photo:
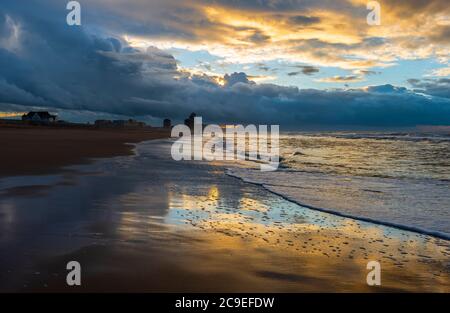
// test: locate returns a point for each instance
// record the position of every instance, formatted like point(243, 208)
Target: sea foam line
point(423, 231)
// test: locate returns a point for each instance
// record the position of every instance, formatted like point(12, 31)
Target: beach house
point(39, 117)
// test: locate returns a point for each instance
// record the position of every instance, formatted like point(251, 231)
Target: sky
point(296, 63)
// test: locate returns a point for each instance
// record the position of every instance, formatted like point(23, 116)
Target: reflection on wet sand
point(310, 242)
point(138, 226)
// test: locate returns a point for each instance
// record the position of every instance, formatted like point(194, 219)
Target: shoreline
point(150, 224)
point(42, 150)
point(107, 143)
point(417, 230)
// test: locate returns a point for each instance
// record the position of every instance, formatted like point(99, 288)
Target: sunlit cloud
point(341, 79)
point(313, 33)
point(11, 114)
point(441, 72)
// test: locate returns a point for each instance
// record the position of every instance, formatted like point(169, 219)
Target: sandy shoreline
point(40, 150)
point(148, 223)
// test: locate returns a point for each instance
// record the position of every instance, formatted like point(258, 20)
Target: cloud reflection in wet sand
point(147, 224)
point(312, 242)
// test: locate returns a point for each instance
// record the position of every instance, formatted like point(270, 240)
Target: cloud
point(365, 72)
point(9, 33)
point(235, 78)
point(258, 37)
point(358, 76)
point(441, 34)
point(305, 69)
point(386, 89)
point(442, 72)
point(304, 20)
point(263, 67)
point(88, 72)
point(341, 79)
point(434, 87)
point(320, 32)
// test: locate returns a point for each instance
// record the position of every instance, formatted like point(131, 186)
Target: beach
point(146, 223)
point(40, 150)
point(310, 150)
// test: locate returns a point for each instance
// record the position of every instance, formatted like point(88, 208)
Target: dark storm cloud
point(388, 88)
point(45, 63)
point(436, 87)
point(235, 78)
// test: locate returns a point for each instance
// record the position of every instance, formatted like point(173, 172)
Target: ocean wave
point(415, 137)
point(233, 172)
point(402, 156)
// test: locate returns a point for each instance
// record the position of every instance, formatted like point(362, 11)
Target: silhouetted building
point(39, 117)
point(104, 123)
point(189, 122)
point(167, 123)
point(119, 124)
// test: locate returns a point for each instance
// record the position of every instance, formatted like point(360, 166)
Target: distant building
point(119, 123)
point(167, 123)
point(189, 122)
point(100, 123)
point(39, 117)
point(128, 123)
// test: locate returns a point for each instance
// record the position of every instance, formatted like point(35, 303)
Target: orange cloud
point(319, 33)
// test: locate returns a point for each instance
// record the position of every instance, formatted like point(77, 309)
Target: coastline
point(419, 230)
point(148, 224)
point(42, 150)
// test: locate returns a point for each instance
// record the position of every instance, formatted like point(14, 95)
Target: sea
point(394, 179)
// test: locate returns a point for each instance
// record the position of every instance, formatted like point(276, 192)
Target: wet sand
point(40, 150)
point(146, 223)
